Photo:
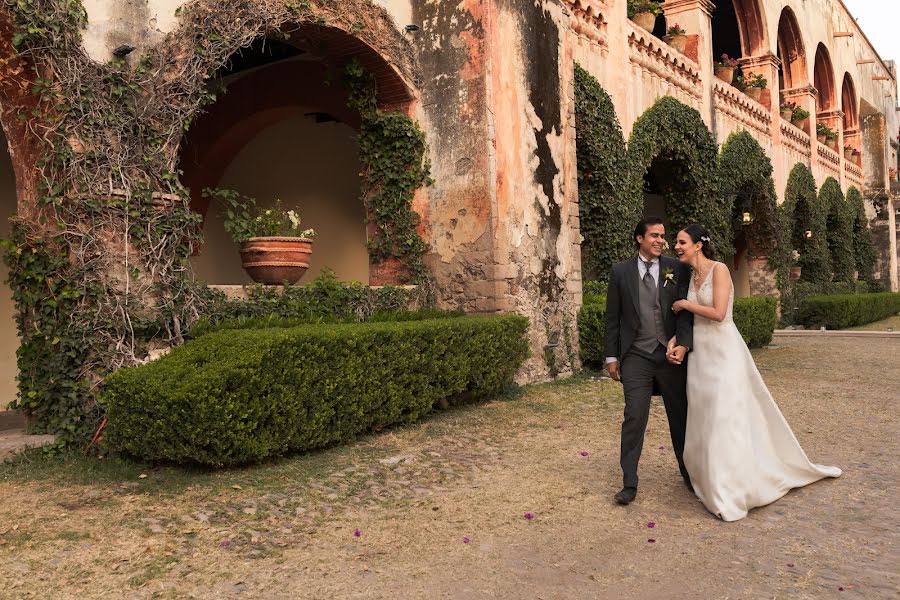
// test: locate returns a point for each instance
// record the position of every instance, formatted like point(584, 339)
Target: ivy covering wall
point(838, 230)
point(675, 134)
point(802, 213)
point(100, 267)
point(608, 205)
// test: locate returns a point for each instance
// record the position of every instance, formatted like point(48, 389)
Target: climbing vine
point(392, 150)
point(100, 266)
point(608, 206)
point(863, 251)
point(673, 135)
point(839, 230)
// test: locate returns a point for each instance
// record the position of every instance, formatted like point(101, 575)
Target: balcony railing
point(738, 106)
point(660, 61)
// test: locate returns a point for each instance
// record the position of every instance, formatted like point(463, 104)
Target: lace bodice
point(704, 295)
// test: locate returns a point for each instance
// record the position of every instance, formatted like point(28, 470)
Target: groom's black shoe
point(626, 496)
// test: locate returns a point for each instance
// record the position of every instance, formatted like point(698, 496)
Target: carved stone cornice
point(806, 91)
point(588, 21)
point(763, 60)
point(676, 7)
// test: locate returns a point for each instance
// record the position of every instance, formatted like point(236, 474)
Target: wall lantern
point(808, 233)
point(746, 217)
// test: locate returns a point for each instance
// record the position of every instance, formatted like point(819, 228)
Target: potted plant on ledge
point(856, 156)
point(676, 38)
point(756, 83)
point(799, 116)
point(724, 68)
point(274, 250)
point(787, 111)
point(848, 152)
point(644, 12)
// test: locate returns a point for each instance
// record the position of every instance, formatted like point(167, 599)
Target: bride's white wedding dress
point(739, 450)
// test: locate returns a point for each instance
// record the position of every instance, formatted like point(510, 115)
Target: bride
point(739, 450)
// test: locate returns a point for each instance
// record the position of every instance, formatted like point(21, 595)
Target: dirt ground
point(440, 507)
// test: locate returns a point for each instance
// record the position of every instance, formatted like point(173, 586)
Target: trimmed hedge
point(240, 396)
point(848, 310)
point(756, 318)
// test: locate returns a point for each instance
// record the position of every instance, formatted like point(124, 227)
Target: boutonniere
point(669, 277)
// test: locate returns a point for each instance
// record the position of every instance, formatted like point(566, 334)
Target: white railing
point(663, 70)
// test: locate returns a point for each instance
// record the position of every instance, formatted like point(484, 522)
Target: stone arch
point(280, 91)
point(849, 103)
point(739, 28)
point(823, 80)
point(672, 150)
point(791, 51)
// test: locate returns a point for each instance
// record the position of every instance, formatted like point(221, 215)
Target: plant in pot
point(822, 131)
point(799, 115)
point(848, 152)
point(274, 249)
point(787, 110)
point(831, 139)
point(675, 37)
point(856, 156)
point(724, 68)
point(644, 12)
point(756, 83)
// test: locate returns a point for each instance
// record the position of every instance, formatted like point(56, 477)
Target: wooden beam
point(865, 61)
point(843, 34)
point(880, 78)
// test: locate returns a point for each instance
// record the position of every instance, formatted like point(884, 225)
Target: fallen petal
point(357, 533)
point(529, 516)
point(465, 540)
point(652, 541)
point(584, 453)
point(225, 543)
point(651, 524)
point(791, 565)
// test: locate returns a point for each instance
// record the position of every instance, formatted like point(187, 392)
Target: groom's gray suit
point(639, 323)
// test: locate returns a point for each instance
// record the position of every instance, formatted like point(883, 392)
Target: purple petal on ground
point(662, 447)
point(225, 543)
point(651, 524)
point(840, 588)
point(465, 539)
point(652, 541)
point(791, 565)
point(584, 453)
point(357, 533)
point(528, 516)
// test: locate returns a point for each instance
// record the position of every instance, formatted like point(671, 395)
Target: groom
point(639, 326)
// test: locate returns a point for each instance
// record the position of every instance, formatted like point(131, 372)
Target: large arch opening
point(9, 336)
point(792, 69)
point(823, 80)
point(738, 29)
point(283, 131)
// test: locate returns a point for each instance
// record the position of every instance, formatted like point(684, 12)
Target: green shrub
point(240, 396)
point(848, 310)
point(591, 328)
point(755, 318)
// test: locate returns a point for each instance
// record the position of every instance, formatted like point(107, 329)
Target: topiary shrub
point(802, 213)
point(839, 230)
point(756, 318)
point(240, 396)
point(591, 328)
point(863, 251)
point(840, 311)
point(608, 207)
point(673, 134)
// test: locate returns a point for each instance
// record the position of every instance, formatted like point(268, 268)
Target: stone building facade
point(491, 84)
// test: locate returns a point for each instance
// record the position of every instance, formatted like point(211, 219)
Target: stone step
point(13, 441)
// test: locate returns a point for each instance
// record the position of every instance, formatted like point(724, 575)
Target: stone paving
point(439, 509)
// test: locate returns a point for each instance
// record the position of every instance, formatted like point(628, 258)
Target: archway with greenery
point(671, 144)
point(839, 230)
point(804, 219)
point(863, 251)
point(608, 207)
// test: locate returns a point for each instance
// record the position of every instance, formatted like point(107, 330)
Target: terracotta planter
point(726, 74)
point(755, 93)
point(800, 123)
point(795, 273)
point(787, 114)
point(679, 42)
point(848, 154)
point(276, 260)
point(820, 139)
point(645, 20)
point(832, 144)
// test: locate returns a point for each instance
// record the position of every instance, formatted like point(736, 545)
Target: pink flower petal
point(791, 565)
point(357, 533)
point(840, 588)
point(528, 516)
point(225, 543)
point(651, 524)
point(652, 541)
point(584, 453)
point(465, 539)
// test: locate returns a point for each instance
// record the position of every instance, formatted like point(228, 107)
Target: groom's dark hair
point(641, 228)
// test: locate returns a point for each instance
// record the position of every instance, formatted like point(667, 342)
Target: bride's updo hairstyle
point(698, 233)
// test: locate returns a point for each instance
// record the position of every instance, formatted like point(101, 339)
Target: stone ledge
point(13, 441)
point(239, 291)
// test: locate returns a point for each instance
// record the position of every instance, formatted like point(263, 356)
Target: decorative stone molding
point(799, 93)
point(588, 21)
point(658, 59)
point(741, 108)
point(829, 160)
point(763, 60)
point(854, 175)
point(795, 138)
point(676, 7)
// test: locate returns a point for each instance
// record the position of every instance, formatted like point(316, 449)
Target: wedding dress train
point(739, 450)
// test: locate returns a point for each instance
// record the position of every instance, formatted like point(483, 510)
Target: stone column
point(695, 17)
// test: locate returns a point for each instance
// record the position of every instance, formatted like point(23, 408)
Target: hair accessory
point(704, 238)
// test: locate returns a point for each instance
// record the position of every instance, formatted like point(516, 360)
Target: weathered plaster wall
point(9, 338)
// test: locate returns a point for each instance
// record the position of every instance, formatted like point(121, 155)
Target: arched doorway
point(673, 158)
point(283, 131)
point(791, 52)
point(9, 337)
point(738, 29)
point(823, 80)
point(849, 105)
